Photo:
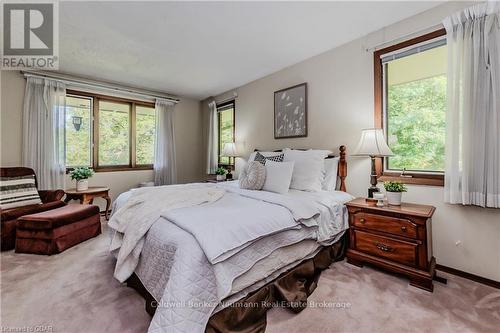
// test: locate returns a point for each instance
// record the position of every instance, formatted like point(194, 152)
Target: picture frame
point(290, 112)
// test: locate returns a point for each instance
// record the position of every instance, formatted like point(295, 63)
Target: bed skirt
point(289, 290)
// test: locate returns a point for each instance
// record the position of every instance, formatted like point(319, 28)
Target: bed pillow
point(18, 191)
point(263, 159)
point(308, 171)
point(331, 174)
point(278, 176)
point(253, 176)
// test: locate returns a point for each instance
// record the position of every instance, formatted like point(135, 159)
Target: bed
point(224, 273)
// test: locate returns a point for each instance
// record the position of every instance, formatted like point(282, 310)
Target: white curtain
point(43, 131)
point(472, 171)
point(164, 165)
point(213, 138)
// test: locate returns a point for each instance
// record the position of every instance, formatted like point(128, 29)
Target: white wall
point(340, 104)
point(188, 138)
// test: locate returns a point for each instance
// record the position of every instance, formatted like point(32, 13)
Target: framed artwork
point(290, 112)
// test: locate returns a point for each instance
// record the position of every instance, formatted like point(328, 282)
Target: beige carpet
point(75, 292)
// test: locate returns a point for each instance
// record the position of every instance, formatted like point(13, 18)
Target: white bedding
point(174, 268)
point(134, 219)
point(228, 225)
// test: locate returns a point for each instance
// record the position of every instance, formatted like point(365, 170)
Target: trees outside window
point(225, 114)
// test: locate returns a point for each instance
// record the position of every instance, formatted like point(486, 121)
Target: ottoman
point(56, 230)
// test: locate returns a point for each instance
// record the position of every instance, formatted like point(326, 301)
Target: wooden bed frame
point(342, 170)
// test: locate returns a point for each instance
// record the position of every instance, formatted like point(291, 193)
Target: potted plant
point(395, 191)
point(220, 173)
point(81, 175)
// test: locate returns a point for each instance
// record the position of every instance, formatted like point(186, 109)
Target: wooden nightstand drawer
point(389, 248)
point(392, 225)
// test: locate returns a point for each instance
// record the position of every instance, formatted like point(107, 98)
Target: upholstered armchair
point(8, 218)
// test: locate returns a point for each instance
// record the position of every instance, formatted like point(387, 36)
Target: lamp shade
point(372, 143)
point(229, 150)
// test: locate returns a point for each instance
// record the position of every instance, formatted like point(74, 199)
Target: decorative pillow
point(263, 153)
point(18, 192)
point(253, 176)
point(263, 159)
point(308, 171)
point(331, 174)
point(278, 176)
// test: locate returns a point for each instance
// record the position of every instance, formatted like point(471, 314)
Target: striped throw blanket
point(18, 191)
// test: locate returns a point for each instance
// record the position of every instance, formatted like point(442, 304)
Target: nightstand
point(395, 238)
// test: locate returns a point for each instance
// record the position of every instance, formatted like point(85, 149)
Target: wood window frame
point(231, 102)
point(416, 177)
point(96, 98)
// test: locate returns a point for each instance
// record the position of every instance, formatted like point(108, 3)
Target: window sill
point(415, 179)
point(220, 165)
point(117, 168)
point(123, 168)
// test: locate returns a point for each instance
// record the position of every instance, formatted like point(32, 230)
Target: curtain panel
point(43, 131)
point(164, 165)
point(213, 138)
point(472, 170)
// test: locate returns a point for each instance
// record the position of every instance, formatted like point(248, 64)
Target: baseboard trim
point(472, 277)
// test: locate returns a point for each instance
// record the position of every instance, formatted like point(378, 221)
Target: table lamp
point(229, 150)
point(373, 144)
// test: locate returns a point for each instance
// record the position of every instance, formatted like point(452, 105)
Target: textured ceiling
point(198, 49)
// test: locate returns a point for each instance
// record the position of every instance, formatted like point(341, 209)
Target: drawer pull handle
point(383, 247)
point(362, 220)
point(403, 228)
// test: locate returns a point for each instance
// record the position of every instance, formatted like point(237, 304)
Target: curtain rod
point(404, 37)
point(227, 99)
point(80, 82)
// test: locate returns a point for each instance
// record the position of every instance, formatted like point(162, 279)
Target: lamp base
point(371, 190)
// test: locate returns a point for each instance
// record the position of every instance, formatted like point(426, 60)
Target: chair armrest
point(51, 195)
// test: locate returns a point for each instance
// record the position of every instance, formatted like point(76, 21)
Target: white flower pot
point(221, 177)
point(394, 198)
point(82, 185)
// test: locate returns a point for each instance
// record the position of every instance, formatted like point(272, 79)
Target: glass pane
point(416, 107)
point(78, 126)
point(114, 124)
point(226, 124)
point(145, 134)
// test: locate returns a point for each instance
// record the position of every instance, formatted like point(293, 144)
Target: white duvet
point(174, 265)
point(232, 223)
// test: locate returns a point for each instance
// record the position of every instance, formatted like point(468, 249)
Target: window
point(114, 133)
point(410, 104)
point(225, 113)
point(109, 133)
point(145, 135)
point(78, 129)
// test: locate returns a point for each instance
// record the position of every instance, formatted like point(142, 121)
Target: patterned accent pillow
point(262, 159)
point(253, 176)
point(18, 192)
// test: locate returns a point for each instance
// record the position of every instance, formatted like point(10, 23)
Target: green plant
point(81, 173)
point(220, 171)
point(395, 186)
